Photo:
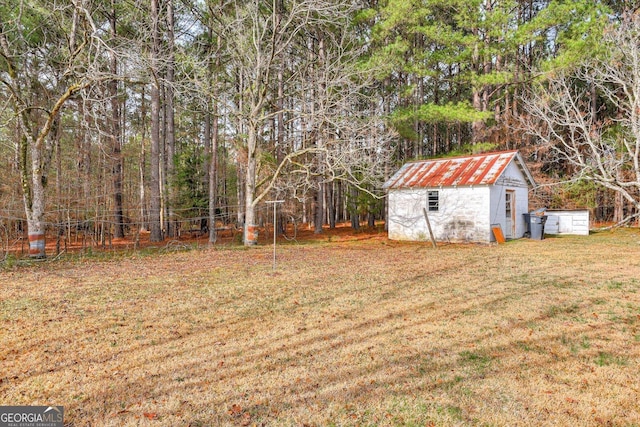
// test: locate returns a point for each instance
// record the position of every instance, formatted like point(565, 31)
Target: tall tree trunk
point(250, 225)
point(213, 176)
point(477, 127)
point(371, 219)
point(170, 139)
point(209, 223)
point(60, 226)
point(280, 129)
point(331, 204)
point(280, 115)
point(116, 137)
point(142, 161)
point(84, 155)
point(206, 139)
point(318, 217)
point(163, 161)
point(242, 163)
point(35, 199)
point(353, 208)
point(212, 169)
point(155, 203)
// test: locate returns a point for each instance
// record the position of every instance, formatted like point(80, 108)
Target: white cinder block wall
point(463, 214)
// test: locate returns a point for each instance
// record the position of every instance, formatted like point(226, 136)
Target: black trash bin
point(527, 219)
point(536, 224)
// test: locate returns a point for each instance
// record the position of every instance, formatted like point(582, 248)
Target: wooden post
point(433, 239)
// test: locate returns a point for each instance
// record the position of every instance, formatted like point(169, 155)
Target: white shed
point(574, 221)
point(463, 197)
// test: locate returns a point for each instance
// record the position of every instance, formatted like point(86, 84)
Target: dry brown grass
point(352, 332)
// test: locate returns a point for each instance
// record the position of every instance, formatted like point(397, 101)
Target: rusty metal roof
point(479, 169)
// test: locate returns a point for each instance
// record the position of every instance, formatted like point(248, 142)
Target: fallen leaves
point(236, 411)
point(150, 415)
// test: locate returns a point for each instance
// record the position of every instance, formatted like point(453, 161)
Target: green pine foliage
point(466, 61)
point(192, 192)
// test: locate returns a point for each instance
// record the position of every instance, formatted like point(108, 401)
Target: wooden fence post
point(426, 217)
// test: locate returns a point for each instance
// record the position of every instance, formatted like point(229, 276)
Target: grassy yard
point(349, 332)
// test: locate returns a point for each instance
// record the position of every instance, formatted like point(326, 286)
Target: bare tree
point(597, 143)
point(115, 130)
point(262, 32)
point(324, 86)
point(48, 56)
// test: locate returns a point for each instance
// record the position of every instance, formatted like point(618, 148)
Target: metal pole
point(274, 235)
point(275, 226)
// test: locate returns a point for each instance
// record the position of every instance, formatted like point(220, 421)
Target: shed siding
point(513, 177)
point(567, 222)
point(511, 180)
point(463, 215)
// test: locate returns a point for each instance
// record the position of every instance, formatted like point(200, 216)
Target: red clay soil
point(225, 237)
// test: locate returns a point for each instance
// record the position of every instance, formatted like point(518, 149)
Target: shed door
point(510, 213)
point(565, 224)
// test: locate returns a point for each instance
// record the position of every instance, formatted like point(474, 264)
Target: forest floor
point(90, 244)
point(349, 329)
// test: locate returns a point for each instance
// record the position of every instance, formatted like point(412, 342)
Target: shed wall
point(512, 180)
point(463, 214)
point(513, 177)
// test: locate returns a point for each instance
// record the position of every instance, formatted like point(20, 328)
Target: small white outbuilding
point(575, 221)
point(464, 198)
